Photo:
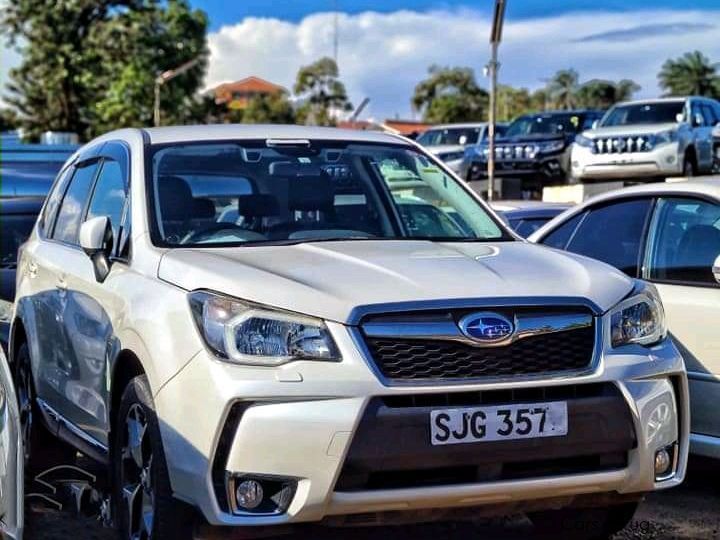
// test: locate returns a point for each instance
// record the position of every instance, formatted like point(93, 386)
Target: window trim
point(42, 225)
point(646, 258)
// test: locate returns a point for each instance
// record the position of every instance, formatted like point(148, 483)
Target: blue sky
point(223, 12)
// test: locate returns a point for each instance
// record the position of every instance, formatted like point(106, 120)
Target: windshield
point(545, 125)
point(450, 136)
point(237, 194)
point(644, 113)
point(14, 230)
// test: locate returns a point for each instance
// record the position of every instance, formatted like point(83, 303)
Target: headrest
point(203, 209)
point(258, 205)
point(309, 193)
point(175, 198)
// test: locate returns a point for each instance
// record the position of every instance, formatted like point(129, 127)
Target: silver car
point(11, 458)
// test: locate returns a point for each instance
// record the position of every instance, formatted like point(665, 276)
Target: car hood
point(630, 129)
point(331, 280)
point(536, 138)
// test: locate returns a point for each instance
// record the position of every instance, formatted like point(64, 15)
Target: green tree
point(8, 119)
point(599, 94)
point(513, 102)
point(691, 74)
point(88, 65)
point(318, 84)
point(269, 109)
point(450, 95)
point(562, 88)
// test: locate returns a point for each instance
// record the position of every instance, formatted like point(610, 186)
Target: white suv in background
point(650, 139)
point(277, 325)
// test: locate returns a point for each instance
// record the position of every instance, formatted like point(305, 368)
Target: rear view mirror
point(716, 269)
point(96, 240)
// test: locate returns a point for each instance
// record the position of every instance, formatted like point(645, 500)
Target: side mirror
point(716, 269)
point(679, 118)
point(96, 240)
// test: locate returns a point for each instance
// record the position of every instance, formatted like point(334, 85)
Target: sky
point(386, 46)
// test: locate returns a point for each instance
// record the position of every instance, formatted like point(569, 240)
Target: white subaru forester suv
point(270, 326)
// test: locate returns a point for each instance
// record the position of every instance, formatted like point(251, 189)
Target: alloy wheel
point(138, 490)
point(25, 404)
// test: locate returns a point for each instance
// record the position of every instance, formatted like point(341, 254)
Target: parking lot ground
point(690, 512)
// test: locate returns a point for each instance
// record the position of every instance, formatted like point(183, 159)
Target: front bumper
point(302, 422)
point(663, 161)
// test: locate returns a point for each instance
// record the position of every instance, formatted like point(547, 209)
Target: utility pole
point(493, 66)
point(336, 31)
point(164, 77)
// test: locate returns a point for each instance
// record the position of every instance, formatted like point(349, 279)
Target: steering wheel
point(232, 229)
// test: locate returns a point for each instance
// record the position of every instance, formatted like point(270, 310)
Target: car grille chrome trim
point(622, 144)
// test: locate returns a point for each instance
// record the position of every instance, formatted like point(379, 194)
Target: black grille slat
point(403, 359)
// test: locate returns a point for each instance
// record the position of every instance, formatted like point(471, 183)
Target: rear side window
point(67, 226)
point(560, 237)
point(685, 241)
point(614, 234)
point(109, 196)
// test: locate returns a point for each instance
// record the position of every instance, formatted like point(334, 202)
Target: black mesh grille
point(418, 359)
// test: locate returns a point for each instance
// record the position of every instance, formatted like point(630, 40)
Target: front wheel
point(584, 523)
point(145, 508)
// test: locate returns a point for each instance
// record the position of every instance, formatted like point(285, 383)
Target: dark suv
point(536, 148)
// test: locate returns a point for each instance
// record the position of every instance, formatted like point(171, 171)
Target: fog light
point(249, 494)
point(665, 463)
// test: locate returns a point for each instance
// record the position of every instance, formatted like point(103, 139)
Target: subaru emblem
point(487, 327)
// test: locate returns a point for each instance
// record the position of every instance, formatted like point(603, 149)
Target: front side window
point(662, 112)
point(613, 234)
point(237, 194)
point(53, 200)
point(685, 241)
point(109, 196)
point(67, 226)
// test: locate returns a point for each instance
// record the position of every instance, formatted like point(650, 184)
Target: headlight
point(582, 140)
point(254, 335)
point(6, 309)
point(665, 137)
point(638, 320)
point(550, 147)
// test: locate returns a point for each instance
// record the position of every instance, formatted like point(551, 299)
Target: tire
point(584, 523)
point(689, 166)
point(144, 504)
point(42, 450)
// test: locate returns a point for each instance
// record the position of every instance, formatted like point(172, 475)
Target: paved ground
point(691, 512)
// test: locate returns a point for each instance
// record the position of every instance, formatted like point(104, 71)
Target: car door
point(683, 243)
point(48, 260)
point(702, 134)
point(91, 309)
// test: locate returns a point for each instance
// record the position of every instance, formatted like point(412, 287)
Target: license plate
point(498, 423)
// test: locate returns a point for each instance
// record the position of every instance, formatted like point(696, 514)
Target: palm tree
point(691, 74)
point(563, 87)
point(625, 89)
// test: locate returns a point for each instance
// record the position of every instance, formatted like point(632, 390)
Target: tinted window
point(613, 234)
point(67, 226)
point(452, 136)
point(109, 196)
point(53, 200)
point(685, 241)
point(525, 227)
point(14, 230)
point(644, 113)
point(560, 237)
point(224, 193)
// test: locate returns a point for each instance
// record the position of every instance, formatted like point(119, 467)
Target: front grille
point(622, 145)
point(422, 359)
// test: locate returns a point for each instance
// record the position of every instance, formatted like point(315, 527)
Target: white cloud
point(383, 55)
